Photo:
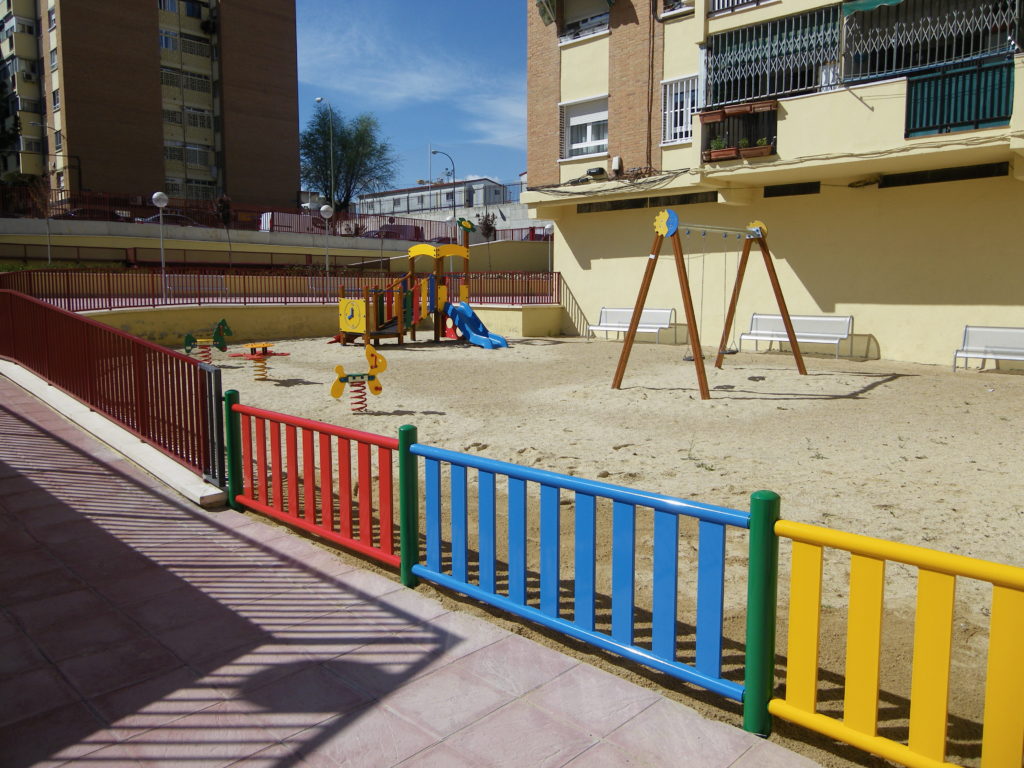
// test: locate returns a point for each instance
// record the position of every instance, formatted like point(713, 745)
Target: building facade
point(880, 141)
point(442, 197)
point(193, 97)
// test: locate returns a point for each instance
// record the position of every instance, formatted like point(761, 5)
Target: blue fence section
point(449, 510)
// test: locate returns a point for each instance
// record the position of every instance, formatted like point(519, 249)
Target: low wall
point(168, 325)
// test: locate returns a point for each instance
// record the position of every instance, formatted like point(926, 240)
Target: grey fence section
point(214, 469)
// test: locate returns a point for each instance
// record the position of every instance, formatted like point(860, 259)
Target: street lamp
point(160, 201)
point(549, 231)
point(330, 125)
point(326, 212)
point(439, 152)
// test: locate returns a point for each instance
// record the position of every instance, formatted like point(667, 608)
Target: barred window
point(174, 187)
point(195, 46)
point(680, 99)
point(197, 155)
point(174, 152)
point(197, 118)
point(193, 81)
point(171, 77)
point(200, 190)
point(172, 116)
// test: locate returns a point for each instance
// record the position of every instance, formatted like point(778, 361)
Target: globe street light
point(160, 201)
point(326, 212)
point(439, 152)
point(330, 125)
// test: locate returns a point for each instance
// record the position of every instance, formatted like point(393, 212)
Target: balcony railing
point(922, 34)
point(721, 6)
point(961, 98)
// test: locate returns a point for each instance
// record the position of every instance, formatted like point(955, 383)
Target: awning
point(853, 6)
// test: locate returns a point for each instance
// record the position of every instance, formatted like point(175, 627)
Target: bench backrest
point(832, 325)
point(616, 316)
point(988, 337)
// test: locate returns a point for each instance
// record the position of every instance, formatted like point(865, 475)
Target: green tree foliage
point(363, 162)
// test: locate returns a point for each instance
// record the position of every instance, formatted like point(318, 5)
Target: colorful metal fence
point(83, 290)
point(159, 395)
point(305, 473)
point(1003, 734)
point(447, 497)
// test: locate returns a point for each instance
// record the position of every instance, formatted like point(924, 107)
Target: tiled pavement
point(139, 630)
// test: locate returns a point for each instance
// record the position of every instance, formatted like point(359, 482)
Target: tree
point(363, 162)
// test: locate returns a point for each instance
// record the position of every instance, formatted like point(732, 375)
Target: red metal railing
point(302, 473)
point(157, 394)
point(82, 290)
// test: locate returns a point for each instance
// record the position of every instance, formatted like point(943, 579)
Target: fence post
point(408, 505)
point(762, 594)
point(233, 448)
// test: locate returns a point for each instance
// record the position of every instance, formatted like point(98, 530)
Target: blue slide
point(474, 331)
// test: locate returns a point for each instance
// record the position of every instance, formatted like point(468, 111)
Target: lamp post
point(549, 230)
point(330, 126)
point(439, 152)
point(326, 212)
point(160, 201)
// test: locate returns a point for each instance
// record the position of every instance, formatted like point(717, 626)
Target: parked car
point(172, 218)
point(442, 240)
point(90, 214)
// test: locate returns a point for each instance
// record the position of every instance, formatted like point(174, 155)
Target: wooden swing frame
point(754, 234)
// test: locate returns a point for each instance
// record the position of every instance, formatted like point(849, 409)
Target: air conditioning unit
point(616, 165)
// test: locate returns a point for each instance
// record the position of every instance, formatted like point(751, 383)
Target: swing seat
point(617, 319)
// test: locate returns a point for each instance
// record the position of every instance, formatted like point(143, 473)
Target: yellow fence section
point(1003, 724)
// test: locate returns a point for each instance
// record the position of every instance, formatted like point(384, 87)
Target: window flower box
point(762, 150)
point(717, 155)
point(764, 106)
point(737, 109)
point(712, 116)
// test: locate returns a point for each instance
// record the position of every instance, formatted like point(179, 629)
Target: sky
point(447, 74)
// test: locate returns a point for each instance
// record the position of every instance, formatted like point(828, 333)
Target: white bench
point(617, 320)
point(816, 329)
point(992, 343)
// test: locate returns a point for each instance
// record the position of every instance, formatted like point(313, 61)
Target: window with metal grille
point(960, 98)
point(198, 118)
point(721, 6)
point(193, 81)
point(200, 190)
point(922, 34)
point(197, 155)
point(195, 46)
point(171, 77)
point(172, 116)
point(174, 187)
point(781, 56)
point(585, 128)
point(174, 152)
point(680, 100)
point(582, 18)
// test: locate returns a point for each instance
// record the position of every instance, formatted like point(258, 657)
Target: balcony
point(724, 6)
point(739, 131)
point(960, 98)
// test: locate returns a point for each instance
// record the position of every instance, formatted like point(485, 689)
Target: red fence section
point(334, 482)
point(81, 290)
point(157, 394)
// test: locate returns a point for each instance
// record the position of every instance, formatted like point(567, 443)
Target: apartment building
point(193, 97)
point(880, 141)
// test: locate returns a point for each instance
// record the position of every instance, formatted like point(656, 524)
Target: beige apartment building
point(880, 141)
point(193, 97)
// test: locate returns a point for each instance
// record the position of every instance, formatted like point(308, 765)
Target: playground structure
point(666, 224)
point(396, 310)
point(259, 352)
point(205, 345)
point(360, 382)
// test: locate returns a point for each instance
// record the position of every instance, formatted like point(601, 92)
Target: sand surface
point(904, 452)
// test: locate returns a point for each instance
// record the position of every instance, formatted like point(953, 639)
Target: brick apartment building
point(881, 141)
point(193, 97)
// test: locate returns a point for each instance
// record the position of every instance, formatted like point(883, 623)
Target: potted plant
point(761, 148)
point(717, 150)
point(712, 116)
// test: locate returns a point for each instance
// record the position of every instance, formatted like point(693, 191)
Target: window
point(582, 18)
point(198, 118)
point(195, 46)
point(174, 187)
point(676, 6)
point(168, 40)
point(585, 128)
point(195, 82)
point(174, 153)
point(680, 99)
point(53, 59)
point(197, 155)
point(963, 97)
point(58, 141)
point(171, 77)
point(60, 180)
point(31, 145)
point(56, 99)
point(167, 5)
point(26, 27)
point(173, 117)
point(192, 9)
point(200, 190)
point(51, 18)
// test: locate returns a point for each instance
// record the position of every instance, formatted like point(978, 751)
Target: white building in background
point(439, 198)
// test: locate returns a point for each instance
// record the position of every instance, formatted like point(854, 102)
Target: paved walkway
point(139, 630)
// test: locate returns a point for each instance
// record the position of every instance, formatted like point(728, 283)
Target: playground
point(903, 452)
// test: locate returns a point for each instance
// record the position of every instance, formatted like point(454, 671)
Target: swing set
point(666, 224)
